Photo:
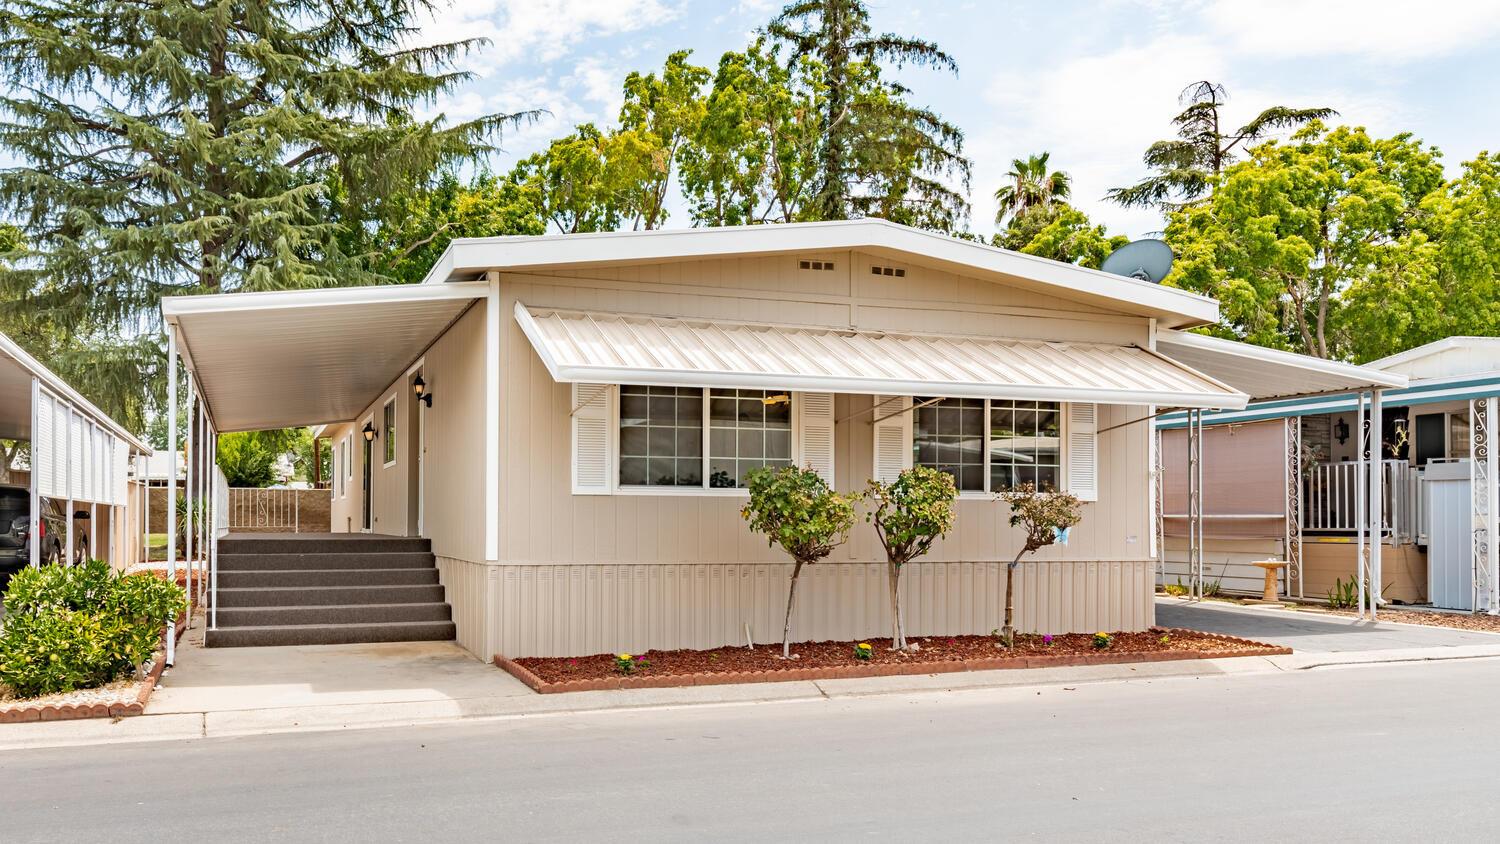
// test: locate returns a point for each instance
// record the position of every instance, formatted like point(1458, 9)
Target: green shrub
point(79, 627)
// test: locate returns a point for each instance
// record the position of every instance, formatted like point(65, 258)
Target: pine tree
point(168, 147)
point(879, 155)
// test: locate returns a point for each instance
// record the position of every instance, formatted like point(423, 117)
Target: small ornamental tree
point(795, 509)
point(1043, 516)
point(909, 515)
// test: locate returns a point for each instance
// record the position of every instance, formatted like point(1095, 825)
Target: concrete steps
point(328, 589)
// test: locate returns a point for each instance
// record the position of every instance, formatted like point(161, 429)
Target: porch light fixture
point(1341, 431)
point(419, 387)
point(369, 432)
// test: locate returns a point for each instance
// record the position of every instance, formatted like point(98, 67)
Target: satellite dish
point(1147, 260)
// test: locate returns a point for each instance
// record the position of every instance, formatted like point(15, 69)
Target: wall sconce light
point(369, 431)
point(778, 398)
point(1341, 431)
point(419, 387)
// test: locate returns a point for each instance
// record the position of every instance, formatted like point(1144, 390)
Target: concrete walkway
point(1312, 633)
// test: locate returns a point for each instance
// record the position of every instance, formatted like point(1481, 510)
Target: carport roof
point(17, 369)
point(307, 357)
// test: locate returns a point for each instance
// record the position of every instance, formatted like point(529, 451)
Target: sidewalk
point(251, 691)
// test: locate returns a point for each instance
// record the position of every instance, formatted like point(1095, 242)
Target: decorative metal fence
point(265, 509)
point(1330, 500)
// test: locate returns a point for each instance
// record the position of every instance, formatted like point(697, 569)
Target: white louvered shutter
point(122, 472)
point(43, 459)
point(60, 446)
point(815, 433)
point(892, 437)
point(593, 462)
point(1081, 450)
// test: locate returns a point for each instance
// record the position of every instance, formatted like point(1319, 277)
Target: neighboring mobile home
point(593, 403)
point(1436, 479)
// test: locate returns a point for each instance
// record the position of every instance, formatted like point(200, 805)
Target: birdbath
point(1271, 567)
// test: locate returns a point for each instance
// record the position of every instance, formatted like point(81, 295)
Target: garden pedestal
point(1271, 568)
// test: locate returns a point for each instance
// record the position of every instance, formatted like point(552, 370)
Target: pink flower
point(1047, 639)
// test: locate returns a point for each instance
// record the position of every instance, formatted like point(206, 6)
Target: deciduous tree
point(1042, 516)
point(909, 514)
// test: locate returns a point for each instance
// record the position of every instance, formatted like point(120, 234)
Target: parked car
point(15, 544)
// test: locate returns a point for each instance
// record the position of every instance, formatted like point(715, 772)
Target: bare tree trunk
point(791, 601)
point(898, 636)
point(1008, 632)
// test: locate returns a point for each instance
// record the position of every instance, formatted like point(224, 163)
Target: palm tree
point(1028, 185)
point(878, 153)
point(1188, 166)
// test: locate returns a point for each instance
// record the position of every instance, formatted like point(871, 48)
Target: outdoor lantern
point(420, 388)
point(1341, 431)
point(369, 432)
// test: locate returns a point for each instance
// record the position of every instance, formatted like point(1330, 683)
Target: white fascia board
point(466, 255)
point(1430, 349)
point(63, 390)
point(1366, 376)
point(330, 297)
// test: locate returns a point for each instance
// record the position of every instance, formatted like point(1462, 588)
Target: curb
point(851, 672)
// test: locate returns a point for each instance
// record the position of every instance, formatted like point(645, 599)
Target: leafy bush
point(1044, 517)
point(795, 509)
point(1344, 596)
point(79, 627)
point(909, 514)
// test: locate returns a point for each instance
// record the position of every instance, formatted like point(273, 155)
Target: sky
point(1094, 83)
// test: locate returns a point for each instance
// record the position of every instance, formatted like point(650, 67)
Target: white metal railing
point(264, 509)
point(1331, 491)
point(221, 502)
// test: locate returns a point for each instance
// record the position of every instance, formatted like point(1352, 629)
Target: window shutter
point(1082, 450)
point(815, 433)
point(892, 437)
point(593, 409)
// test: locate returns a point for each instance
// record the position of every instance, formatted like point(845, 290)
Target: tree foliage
point(1060, 232)
point(1041, 516)
point(909, 514)
point(1029, 185)
point(1329, 231)
point(797, 511)
point(187, 148)
point(1187, 167)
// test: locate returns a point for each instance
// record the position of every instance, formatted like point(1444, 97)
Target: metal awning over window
point(624, 349)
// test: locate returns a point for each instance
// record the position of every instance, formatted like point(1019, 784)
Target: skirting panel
point(571, 610)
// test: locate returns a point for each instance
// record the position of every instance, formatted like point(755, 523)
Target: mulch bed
point(835, 660)
point(1458, 621)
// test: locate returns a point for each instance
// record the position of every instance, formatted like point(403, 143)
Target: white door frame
point(420, 458)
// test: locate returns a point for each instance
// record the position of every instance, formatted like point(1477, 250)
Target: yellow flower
point(624, 656)
point(864, 646)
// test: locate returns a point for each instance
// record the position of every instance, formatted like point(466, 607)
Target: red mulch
point(931, 649)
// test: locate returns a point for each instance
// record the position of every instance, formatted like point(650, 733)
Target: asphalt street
point(1395, 752)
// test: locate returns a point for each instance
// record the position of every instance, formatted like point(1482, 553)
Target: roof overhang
point(1264, 373)
point(593, 347)
point(470, 258)
point(17, 370)
point(307, 357)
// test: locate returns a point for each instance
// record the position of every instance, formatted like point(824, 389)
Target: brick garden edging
point(847, 672)
point(76, 711)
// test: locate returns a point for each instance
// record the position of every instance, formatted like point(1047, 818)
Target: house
point(568, 422)
point(1291, 479)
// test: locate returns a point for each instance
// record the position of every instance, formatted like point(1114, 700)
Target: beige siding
point(343, 492)
point(693, 574)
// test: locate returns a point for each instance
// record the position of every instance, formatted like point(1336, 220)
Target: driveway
point(1309, 633)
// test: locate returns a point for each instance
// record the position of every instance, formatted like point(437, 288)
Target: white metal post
point(143, 472)
point(189, 489)
point(68, 516)
point(36, 495)
point(213, 560)
point(171, 514)
point(1491, 496)
point(1361, 521)
point(207, 484)
point(1377, 497)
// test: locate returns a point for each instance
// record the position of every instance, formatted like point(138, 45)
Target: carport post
point(187, 525)
point(1377, 496)
point(36, 497)
point(68, 516)
point(171, 514)
point(1361, 517)
point(213, 556)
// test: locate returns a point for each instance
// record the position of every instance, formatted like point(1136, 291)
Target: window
point(989, 445)
point(748, 430)
point(390, 432)
point(662, 435)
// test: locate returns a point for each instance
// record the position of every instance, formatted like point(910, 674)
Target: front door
point(366, 455)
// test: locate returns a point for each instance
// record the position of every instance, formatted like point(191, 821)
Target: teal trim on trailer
point(1458, 389)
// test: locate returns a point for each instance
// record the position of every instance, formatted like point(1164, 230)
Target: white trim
point(471, 256)
point(331, 297)
point(492, 441)
point(1358, 376)
point(1433, 348)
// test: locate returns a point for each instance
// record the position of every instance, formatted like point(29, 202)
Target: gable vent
point(893, 271)
point(815, 265)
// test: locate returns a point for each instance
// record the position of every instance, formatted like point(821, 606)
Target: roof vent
point(816, 265)
point(892, 271)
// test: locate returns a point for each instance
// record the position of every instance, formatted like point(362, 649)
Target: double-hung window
point(989, 445)
point(696, 438)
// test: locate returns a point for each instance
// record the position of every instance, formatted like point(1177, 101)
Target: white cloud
point(1381, 30)
point(539, 30)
